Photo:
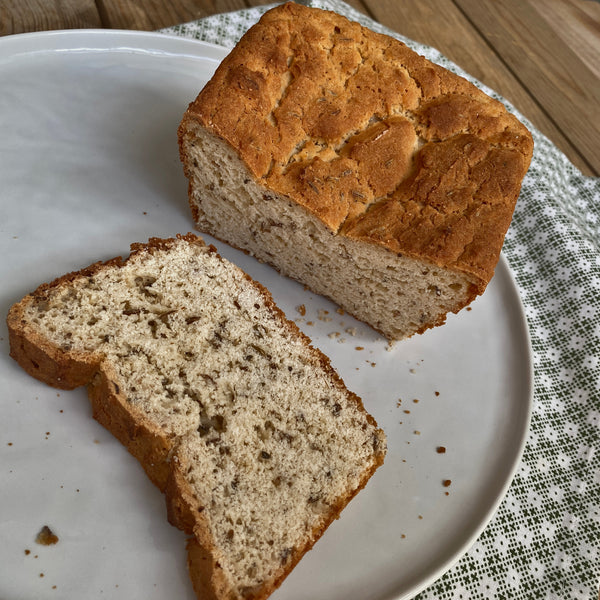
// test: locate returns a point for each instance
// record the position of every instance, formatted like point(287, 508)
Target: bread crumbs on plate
point(46, 537)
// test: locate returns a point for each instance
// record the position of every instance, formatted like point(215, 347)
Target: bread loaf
point(248, 430)
point(355, 166)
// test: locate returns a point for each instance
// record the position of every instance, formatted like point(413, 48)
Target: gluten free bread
point(355, 166)
point(251, 434)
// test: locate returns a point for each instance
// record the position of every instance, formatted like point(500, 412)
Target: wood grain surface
point(541, 55)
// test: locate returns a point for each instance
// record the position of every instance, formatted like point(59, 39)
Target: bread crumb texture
point(329, 150)
point(253, 436)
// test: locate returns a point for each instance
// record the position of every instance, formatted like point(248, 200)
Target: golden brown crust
point(377, 142)
point(142, 439)
point(43, 360)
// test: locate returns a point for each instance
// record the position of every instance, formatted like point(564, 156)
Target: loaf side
point(375, 144)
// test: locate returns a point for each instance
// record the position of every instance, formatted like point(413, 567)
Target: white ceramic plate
point(88, 164)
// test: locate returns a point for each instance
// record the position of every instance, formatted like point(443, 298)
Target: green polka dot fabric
point(544, 541)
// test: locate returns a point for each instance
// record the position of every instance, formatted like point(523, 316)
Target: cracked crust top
point(376, 141)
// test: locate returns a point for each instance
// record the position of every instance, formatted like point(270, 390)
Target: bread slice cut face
point(248, 430)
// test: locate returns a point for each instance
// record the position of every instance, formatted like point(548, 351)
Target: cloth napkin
point(544, 541)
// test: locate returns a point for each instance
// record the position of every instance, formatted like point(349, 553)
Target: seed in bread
point(252, 435)
point(355, 166)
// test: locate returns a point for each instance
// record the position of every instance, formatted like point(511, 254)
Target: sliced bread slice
point(244, 425)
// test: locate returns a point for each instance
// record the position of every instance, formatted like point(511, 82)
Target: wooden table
point(541, 55)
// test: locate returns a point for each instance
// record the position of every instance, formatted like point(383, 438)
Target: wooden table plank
point(441, 24)
point(577, 23)
point(21, 16)
point(550, 69)
point(541, 73)
point(149, 15)
point(155, 14)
